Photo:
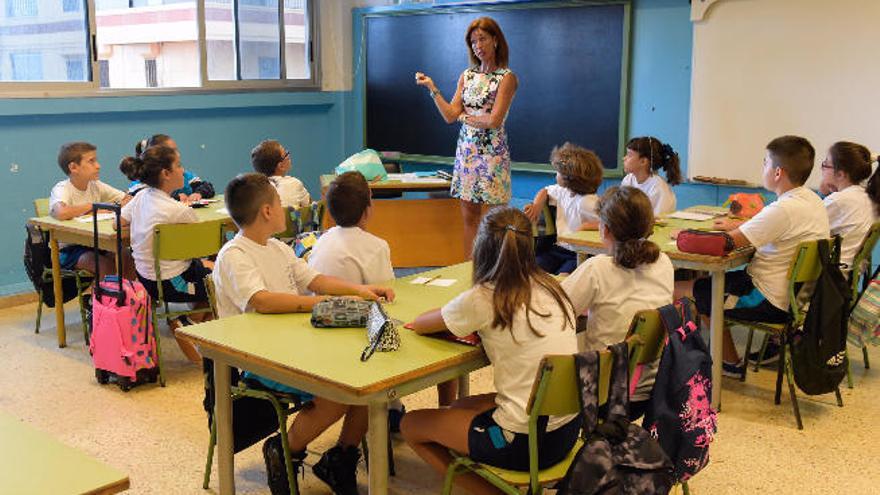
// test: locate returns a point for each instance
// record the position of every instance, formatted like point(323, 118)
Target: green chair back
point(804, 268)
point(861, 266)
point(647, 327)
point(212, 294)
point(41, 207)
point(184, 241)
point(549, 221)
point(303, 219)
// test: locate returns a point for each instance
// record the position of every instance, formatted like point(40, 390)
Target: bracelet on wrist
point(434, 93)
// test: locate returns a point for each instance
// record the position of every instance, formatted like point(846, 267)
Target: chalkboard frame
point(361, 15)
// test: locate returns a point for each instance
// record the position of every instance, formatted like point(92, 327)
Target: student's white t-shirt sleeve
point(240, 278)
point(581, 286)
point(185, 214)
point(108, 193)
point(835, 212)
point(303, 274)
point(127, 211)
point(768, 225)
point(386, 270)
point(467, 313)
point(59, 195)
point(553, 193)
point(587, 208)
point(629, 180)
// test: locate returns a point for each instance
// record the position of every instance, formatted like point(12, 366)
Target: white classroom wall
point(764, 68)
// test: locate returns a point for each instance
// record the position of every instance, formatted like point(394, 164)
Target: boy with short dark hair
point(272, 160)
point(74, 196)
point(256, 273)
point(796, 216)
point(347, 250)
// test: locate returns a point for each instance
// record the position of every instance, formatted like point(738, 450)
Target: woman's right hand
point(423, 80)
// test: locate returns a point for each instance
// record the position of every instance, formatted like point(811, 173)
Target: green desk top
point(105, 227)
point(32, 462)
point(332, 355)
point(661, 236)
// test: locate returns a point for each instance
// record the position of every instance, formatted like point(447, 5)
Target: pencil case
point(708, 243)
point(340, 312)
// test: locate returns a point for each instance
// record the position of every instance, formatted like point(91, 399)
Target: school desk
point(420, 232)
point(76, 232)
point(588, 242)
point(326, 362)
point(32, 462)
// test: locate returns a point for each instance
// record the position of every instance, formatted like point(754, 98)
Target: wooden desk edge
point(320, 381)
point(734, 255)
point(111, 488)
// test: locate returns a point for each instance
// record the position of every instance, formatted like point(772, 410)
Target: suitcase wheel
point(124, 383)
point(102, 376)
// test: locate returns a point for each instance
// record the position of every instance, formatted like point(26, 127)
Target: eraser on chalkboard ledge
point(721, 181)
point(391, 155)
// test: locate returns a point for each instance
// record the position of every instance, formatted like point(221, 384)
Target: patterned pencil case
point(341, 312)
point(381, 332)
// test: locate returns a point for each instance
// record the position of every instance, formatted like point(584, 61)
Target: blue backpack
point(680, 415)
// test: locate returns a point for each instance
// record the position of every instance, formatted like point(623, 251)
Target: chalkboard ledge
point(394, 156)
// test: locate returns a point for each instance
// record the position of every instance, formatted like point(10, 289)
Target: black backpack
point(818, 348)
point(38, 259)
point(618, 457)
point(680, 415)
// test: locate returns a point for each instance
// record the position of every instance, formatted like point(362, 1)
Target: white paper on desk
point(223, 211)
point(421, 280)
point(101, 217)
point(689, 215)
point(399, 176)
point(442, 282)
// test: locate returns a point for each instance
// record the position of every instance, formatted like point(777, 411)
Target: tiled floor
point(159, 435)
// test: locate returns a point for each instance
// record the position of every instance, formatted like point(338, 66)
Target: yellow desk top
point(32, 462)
point(396, 185)
point(106, 227)
point(332, 355)
point(590, 240)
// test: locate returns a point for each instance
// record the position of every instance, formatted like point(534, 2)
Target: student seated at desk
point(852, 208)
point(521, 314)
point(644, 157)
point(74, 196)
point(257, 273)
point(272, 160)
point(182, 280)
point(636, 276)
point(193, 188)
point(578, 176)
point(796, 216)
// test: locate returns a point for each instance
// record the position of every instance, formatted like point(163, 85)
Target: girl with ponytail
point(522, 314)
point(633, 276)
point(852, 207)
point(193, 188)
point(645, 156)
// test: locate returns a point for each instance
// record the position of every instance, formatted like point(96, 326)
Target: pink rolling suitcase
point(122, 344)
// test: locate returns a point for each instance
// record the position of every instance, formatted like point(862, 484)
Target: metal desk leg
point(223, 418)
point(56, 288)
point(377, 437)
point(716, 330)
point(464, 385)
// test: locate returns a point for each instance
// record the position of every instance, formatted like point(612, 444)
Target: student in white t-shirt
point(522, 314)
point(256, 273)
point(797, 215)
point(347, 251)
point(645, 156)
point(852, 207)
point(272, 160)
point(74, 196)
point(182, 280)
point(634, 277)
point(578, 176)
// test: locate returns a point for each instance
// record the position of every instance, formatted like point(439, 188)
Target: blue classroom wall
point(214, 132)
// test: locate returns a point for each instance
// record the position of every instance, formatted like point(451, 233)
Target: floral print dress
point(482, 158)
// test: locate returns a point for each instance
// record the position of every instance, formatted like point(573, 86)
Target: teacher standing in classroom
point(485, 90)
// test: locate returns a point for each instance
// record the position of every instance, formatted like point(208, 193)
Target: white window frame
point(92, 88)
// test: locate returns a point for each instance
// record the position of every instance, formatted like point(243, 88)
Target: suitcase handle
point(99, 291)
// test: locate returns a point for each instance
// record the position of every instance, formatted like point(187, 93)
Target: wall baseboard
point(10, 300)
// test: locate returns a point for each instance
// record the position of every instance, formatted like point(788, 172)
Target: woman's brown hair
point(487, 24)
point(627, 213)
point(504, 260)
point(854, 160)
point(659, 156)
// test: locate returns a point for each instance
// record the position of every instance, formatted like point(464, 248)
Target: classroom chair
point(804, 268)
point(283, 404)
point(554, 393)
point(82, 279)
point(303, 219)
point(544, 230)
point(861, 272)
point(182, 241)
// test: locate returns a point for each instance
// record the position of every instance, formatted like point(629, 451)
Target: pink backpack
point(122, 341)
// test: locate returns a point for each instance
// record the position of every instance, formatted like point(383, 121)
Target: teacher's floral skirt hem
point(482, 166)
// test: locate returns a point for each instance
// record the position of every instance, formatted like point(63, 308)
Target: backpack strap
point(618, 394)
point(587, 369)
